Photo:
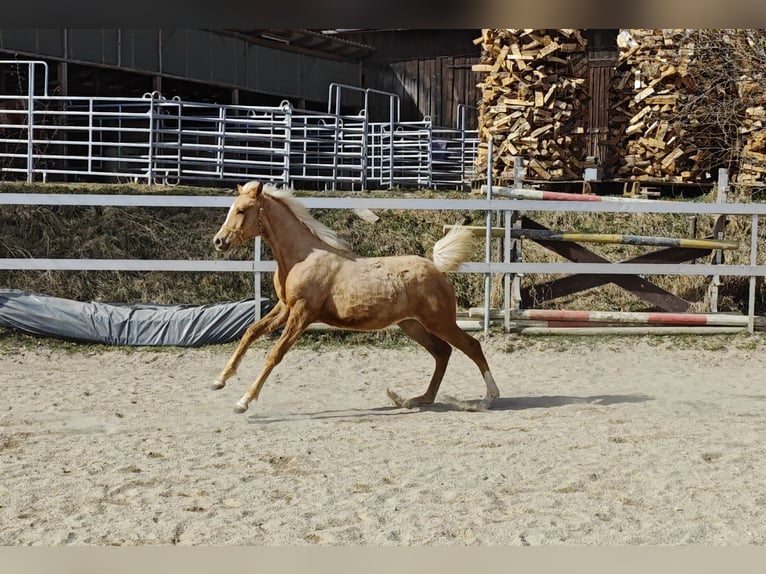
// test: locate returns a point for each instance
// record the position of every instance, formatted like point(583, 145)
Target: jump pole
point(642, 330)
point(624, 317)
point(518, 193)
point(605, 238)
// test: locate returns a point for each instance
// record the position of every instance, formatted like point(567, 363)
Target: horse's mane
point(320, 230)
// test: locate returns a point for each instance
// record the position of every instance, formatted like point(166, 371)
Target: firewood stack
point(751, 91)
point(682, 103)
point(533, 102)
point(685, 102)
point(752, 168)
point(651, 139)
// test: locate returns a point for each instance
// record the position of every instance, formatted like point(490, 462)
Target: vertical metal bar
point(150, 166)
point(179, 140)
point(336, 141)
point(221, 140)
point(507, 277)
point(391, 142)
point(288, 145)
point(753, 259)
point(430, 157)
point(488, 238)
point(364, 151)
point(30, 121)
point(90, 135)
point(461, 127)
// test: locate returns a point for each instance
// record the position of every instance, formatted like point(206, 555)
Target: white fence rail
point(488, 267)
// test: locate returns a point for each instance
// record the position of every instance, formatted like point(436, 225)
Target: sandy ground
point(617, 441)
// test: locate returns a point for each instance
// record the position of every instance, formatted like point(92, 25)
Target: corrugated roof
point(314, 41)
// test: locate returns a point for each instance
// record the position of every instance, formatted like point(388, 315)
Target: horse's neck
point(290, 240)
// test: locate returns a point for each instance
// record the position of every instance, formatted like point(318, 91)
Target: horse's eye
point(240, 212)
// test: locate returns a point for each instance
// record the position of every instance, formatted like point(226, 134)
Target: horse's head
point(243, 220)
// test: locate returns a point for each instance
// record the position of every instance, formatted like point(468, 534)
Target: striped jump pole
point(518, 193)
point(641, 318)
point(623, 239)
point(632, 331)
point(605, 238)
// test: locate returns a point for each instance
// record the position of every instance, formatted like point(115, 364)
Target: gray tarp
point(141, 324)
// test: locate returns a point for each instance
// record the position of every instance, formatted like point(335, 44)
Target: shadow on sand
point(447, 404)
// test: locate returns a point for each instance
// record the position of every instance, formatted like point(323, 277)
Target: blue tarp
point(137, 324)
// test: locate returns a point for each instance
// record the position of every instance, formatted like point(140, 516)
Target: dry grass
point(185, 233)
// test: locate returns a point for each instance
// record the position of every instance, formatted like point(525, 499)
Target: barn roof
point(311, 40)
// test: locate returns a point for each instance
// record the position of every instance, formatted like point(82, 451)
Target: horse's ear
point(253, 189)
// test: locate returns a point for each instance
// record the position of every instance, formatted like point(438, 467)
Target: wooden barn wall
point(427, 87)
point(429, 69)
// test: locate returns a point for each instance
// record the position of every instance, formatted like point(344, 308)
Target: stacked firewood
point(684, 102)
point(533, 101)
point(651, 85)
point(751, 93)
point(752, 167)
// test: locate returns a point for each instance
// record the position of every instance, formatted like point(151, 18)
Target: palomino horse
point(319, 278)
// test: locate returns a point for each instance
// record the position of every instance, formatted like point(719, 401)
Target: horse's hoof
point(240, 407)
point(217, 385)
point(399, 401)
point(486, 403)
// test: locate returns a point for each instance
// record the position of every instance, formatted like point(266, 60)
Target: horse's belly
point(373, 296)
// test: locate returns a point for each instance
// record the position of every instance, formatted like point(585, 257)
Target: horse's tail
point(452, 249)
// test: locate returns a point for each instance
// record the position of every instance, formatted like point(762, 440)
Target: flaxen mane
point(320, 230)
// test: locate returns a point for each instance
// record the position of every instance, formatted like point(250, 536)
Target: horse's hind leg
point(455, 336)
point(273, 320)
point(440, 351)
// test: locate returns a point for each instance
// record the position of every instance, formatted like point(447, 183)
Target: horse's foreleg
point(273, 320)
point(440, 351)
point(296, 324)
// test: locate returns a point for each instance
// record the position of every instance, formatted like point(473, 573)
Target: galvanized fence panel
point(159, 141)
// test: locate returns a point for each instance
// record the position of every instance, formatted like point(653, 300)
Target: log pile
point(752, 167)
point(681, 104)
point(685, 102)
point(533, 101)
point(651, 85)
point(751, 91)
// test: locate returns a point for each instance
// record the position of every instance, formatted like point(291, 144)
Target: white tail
point(452, 249)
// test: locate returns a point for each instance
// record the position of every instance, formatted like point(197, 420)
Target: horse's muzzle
point(221, 244)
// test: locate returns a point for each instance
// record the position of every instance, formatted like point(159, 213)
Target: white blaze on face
point(231, 210)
